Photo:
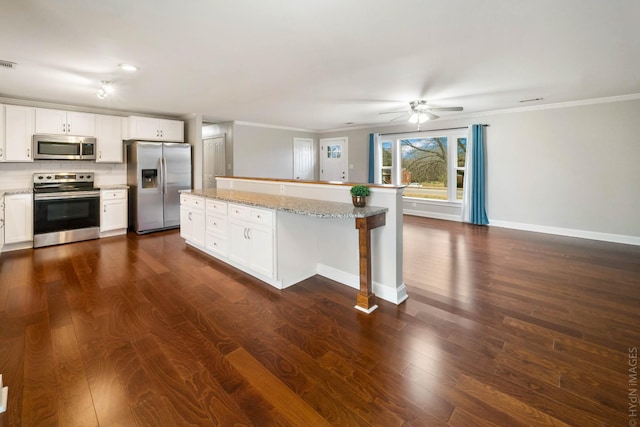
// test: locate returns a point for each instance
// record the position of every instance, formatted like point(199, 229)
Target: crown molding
point(262, 125)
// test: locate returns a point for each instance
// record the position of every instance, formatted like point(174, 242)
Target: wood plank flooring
point(502, 328)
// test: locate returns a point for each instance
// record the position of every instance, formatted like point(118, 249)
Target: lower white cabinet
point(251, 238)
point(113, 210)
point(18, 218)
point(216, 236)
point(192, 219)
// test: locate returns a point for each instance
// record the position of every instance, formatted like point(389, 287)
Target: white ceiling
point(318, 64)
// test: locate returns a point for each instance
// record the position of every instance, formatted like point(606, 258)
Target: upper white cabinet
point(19, 125)
point(1, 133)
point(109, 139)
point(153, 129)
point(65, 122)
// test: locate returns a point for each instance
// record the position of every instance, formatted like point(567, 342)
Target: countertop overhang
point(296, 205)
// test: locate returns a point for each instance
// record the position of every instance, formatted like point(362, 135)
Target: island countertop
point(296, 205)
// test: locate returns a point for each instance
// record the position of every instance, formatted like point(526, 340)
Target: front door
point(334, 165)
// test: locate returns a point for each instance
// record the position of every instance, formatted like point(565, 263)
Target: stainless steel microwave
point(63, 147)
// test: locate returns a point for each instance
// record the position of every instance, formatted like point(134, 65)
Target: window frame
point(452, 136)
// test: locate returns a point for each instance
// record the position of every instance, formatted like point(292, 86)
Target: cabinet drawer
point(262, 217)
point(239, 211)
point(216, 224)
point(192, 201)
point(216, 243)
point(113, 194)
point(216, 207)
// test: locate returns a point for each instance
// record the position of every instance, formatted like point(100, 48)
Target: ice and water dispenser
point(149, 178)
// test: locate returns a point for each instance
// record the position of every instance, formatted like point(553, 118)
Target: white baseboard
point(393, 295)
point(435, 215)
point(568, 232)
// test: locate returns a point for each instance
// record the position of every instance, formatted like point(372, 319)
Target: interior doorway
point(303, 159)
point(213, 160)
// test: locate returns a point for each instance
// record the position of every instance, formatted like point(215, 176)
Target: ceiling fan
point(421, 111)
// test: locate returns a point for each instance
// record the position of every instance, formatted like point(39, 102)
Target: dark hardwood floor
point(502, 328)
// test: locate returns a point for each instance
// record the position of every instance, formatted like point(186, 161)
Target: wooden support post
point(366, 299)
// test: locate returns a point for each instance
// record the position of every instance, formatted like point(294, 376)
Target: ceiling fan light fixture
point(417, 117)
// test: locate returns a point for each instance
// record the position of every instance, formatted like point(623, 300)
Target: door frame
point(344, 140)
point(313, 156)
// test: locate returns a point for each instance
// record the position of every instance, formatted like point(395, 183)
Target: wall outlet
point(350, 165)
point(282, 188)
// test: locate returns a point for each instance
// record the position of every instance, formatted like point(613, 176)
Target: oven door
point(55, 212)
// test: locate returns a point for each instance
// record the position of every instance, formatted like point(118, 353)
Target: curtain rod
point(426, 130)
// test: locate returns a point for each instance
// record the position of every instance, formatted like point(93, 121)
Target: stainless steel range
point(66, 208)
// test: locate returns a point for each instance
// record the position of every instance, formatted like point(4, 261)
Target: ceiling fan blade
point(394, 112)
point(399, 117)
point(446, 108)
point(431, 115)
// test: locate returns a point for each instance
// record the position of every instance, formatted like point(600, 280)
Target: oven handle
point(67, 195)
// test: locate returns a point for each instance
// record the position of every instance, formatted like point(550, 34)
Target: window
point(430, 164)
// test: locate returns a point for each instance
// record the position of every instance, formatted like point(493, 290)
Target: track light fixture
point(105, 89)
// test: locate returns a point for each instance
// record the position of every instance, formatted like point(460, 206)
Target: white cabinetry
point(251, 241)
point(19, 126)
point(192, 219)
point(109, 139)
point(1, 134)
point(65, 122)
point(154, 129)
point(18, 218)
point(113, 212)
point(216, 227)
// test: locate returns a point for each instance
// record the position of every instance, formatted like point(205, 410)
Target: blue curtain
point(372, 143)
point(478, 214)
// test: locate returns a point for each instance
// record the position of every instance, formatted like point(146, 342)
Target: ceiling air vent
point(7, 64)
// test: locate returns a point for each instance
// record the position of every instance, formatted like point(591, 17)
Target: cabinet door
point(239, 245)
point(18, 218)
point(114, 215)
point(81, 124)
point(171, 130)
point(192, 225)
point(1, 134)
point(143, 128)
point(109, 139)
point(19, 129)
point(51, 121)
point(261, 259)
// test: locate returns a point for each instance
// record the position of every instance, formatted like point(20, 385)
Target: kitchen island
point(265, 228)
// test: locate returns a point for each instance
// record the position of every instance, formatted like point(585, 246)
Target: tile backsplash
point(20, 175)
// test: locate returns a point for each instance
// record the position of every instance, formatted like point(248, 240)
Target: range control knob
point(40, 177)
point(49, 177)
point(81, 176)
point(88, 177)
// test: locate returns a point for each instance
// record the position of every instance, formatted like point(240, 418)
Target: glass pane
point(424, 167)
point(386, 175)
point(459, 184)
point(386, 153)
point(334, 151)
point(462, 151)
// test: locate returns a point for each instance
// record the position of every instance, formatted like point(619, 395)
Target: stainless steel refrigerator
point(156, 172)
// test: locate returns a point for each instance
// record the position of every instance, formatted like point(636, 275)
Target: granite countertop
point(297, 205)
point(16, 191)
point(114, 187)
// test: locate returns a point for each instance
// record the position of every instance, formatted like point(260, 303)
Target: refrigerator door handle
point(165, 176)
